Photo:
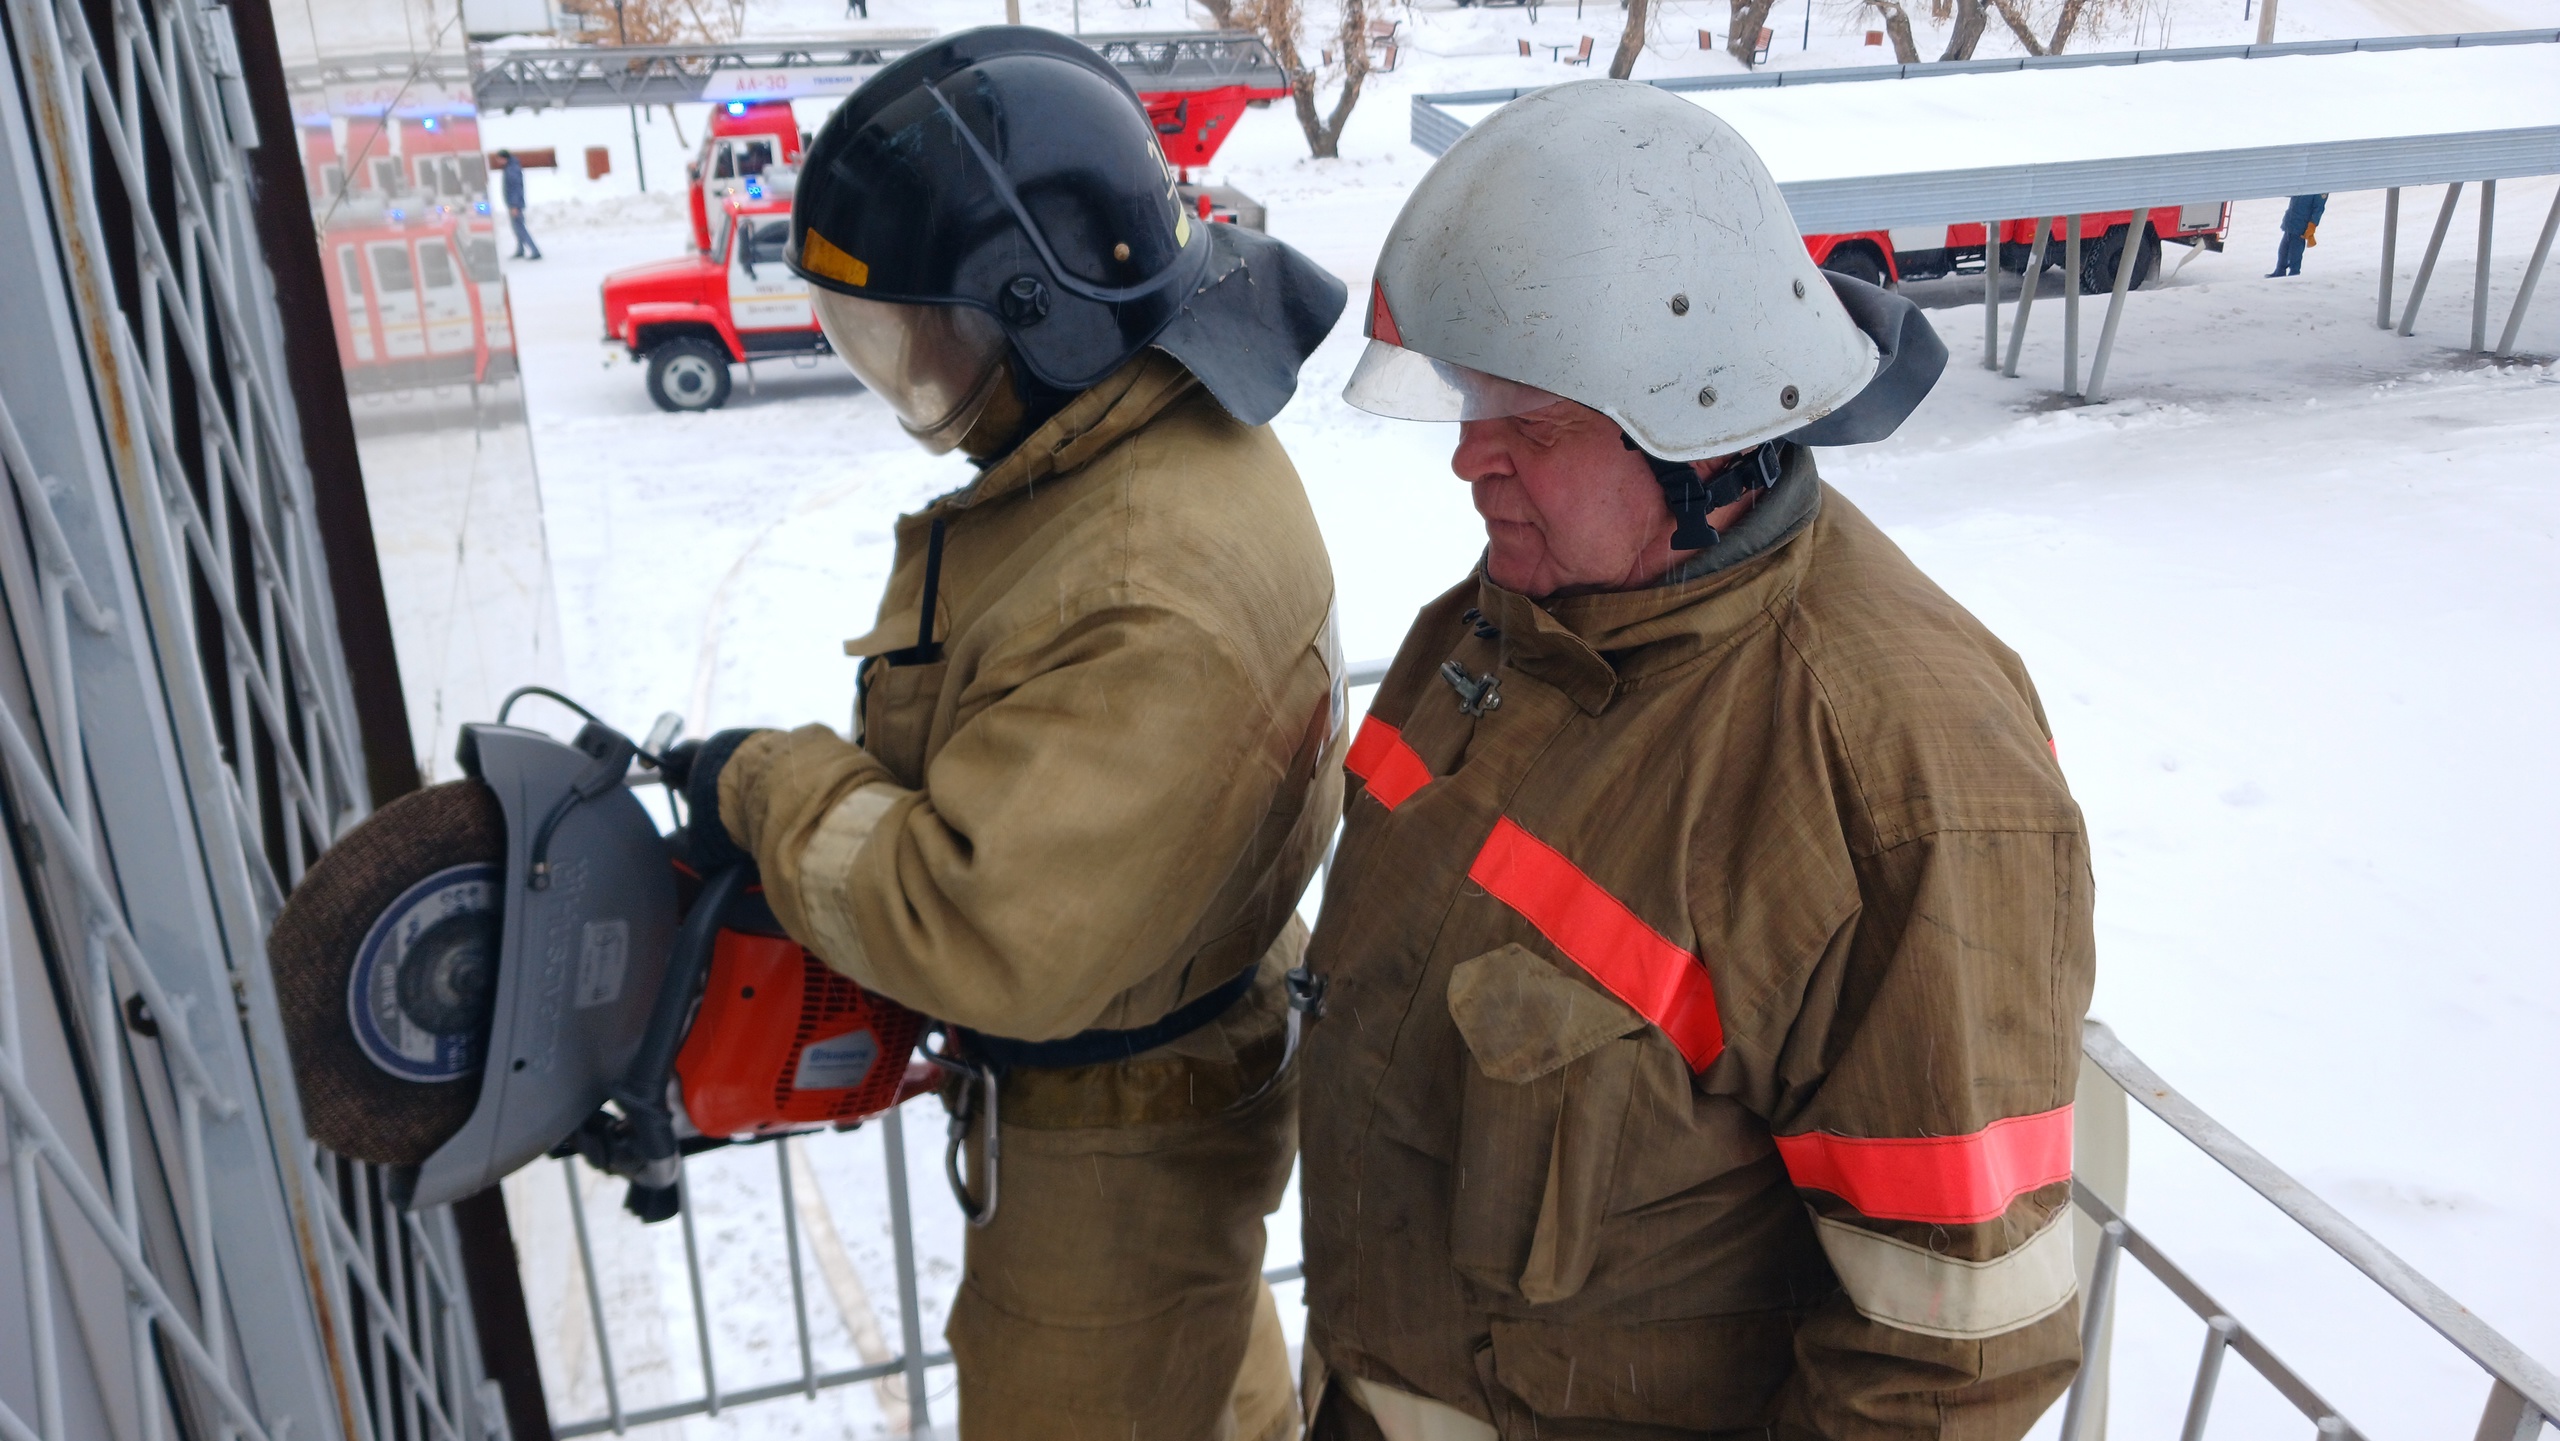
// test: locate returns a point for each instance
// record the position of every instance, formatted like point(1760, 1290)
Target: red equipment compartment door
point(783, 1043)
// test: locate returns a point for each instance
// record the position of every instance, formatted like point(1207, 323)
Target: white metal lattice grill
point(177, 741)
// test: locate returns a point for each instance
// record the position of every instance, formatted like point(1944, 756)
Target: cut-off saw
point(518, 964)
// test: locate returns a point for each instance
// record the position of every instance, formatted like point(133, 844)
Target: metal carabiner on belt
point(977, 1083)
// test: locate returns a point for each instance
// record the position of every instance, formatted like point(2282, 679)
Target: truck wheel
point(1857, 262)
point(688, 373)
point(2098, 262)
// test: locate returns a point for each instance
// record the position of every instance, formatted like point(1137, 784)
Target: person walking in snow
point(511, 189)
point(2301, 231)
point(1704, 956)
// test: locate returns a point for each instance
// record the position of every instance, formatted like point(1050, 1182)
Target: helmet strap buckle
point(1693, 498)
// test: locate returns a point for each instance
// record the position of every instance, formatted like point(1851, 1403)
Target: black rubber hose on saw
point(643, 1091)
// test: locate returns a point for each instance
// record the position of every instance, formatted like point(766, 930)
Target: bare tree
point(1970, 20)
point(655, 22)
point(1278, 23)
point(1897, 23)
point(1630, 44)
point(2068, 18)
point(1748, 17)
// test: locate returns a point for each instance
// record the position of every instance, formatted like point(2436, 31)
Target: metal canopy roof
point(682, 74)
point(2152, 127)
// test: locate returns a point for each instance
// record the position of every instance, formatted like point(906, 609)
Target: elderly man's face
point(1566, 505)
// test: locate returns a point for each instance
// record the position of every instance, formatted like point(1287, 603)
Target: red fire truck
point(1884, 257)
point(731, 300)
point(735, 300)
point(409, 250)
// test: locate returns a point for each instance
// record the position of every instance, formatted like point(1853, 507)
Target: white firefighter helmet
point(1611, 243)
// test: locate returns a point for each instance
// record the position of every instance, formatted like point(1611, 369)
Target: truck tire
point(1857, 262)
point(2098, 262)
point(688, 373)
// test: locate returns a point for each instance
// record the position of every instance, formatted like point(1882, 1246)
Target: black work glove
point(693, 768)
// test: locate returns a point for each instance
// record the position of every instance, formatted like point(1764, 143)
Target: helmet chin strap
point(1693, 499)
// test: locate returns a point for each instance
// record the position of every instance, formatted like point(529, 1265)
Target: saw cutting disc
point(386, 961)
point(424, 977)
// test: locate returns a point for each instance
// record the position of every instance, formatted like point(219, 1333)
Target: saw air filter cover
point(385, 962)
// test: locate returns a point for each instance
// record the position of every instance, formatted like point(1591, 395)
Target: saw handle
point(642, 1092)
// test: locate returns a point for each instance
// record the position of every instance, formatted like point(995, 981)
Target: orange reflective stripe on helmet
point(1384, 763)
point(1942, 1180)
point(1666, 984)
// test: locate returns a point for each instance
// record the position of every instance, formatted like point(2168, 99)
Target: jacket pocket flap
point(1523, 1018)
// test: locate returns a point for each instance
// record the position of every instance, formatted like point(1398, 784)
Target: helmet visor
point(1409, 385)
point(936, 365)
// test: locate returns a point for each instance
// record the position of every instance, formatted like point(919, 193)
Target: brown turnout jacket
point(1702, 1018)
point(1104, 796)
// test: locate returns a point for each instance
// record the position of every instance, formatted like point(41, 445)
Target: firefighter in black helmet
point(1099, 740)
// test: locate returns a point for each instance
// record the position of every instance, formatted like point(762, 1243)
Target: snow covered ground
point(2290, 593)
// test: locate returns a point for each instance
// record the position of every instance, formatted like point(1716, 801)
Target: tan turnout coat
point(1107, 794)
point(1702, 1019)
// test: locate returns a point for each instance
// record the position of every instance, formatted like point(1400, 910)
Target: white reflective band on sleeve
point(827, 865)
point(1403, 1416)
point(1898, 1284)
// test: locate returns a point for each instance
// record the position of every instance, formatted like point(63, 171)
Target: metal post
point(693, 1280)
point(2027, 295)
point(2071, 306)
point(1991, 295)
point(2126, 260)
point(2390, 255)
point(2267, 22)
point(2094, 1309)
point(902, 1239)
point(2427, 266)
point(595, 1296)
point(2532, 273)
point(2480, 268)
point(2217, 1340)
point(2508, 1416)
point(791, 1249)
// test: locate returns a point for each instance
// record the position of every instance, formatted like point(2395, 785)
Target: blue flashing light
point(755, 187)
point(432, 123)
point(737, 107)
point(482, 207)
point(399, 214)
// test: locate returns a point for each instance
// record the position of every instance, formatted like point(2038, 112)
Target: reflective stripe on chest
point(1665, 983)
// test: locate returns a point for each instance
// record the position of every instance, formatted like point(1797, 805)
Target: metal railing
point(176, 743)
point(2523, 1394)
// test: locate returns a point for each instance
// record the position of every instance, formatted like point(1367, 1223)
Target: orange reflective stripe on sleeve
point(1942, 1180)
point(1666, 984)
point(1385, 764)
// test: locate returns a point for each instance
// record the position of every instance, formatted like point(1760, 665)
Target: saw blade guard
point(589, 906)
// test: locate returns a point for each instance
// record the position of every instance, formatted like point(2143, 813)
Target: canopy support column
point(2390, 255)
point(2427, 266)
point(1991, 295)
point(2071, 306)
point(2027, 295)
point(2126, 261)
point(2532, 273)
point(2480, 269)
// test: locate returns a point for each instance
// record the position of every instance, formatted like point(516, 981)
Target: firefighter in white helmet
point(1701, 968)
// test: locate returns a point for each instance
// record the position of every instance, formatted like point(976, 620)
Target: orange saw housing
point(782, 1043)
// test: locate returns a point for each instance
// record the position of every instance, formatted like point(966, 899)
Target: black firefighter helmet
point(1011, 172)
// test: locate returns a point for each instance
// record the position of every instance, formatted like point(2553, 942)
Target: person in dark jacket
point(511, 188)
point(2301, 230)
